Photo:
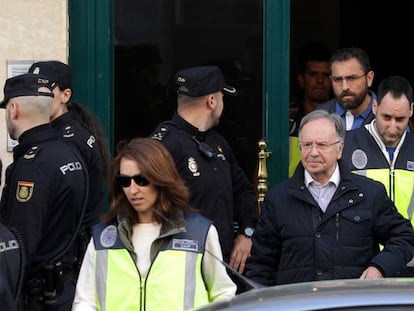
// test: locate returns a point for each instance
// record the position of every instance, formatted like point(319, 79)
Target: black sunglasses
point(125, 181)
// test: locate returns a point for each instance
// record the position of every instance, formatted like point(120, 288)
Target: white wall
point(30, 30)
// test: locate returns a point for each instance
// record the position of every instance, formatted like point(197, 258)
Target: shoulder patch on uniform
point(108, 236)
point(68, 131)
point(31, 153)
point(91, 141)
point(359, 159)
point(161, 131)
point(24, 191)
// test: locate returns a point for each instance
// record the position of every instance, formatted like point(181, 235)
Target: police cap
point(55, 71)
point(200, 81)
point(27, 84)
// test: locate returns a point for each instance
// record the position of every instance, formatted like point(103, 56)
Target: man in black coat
point(219, 187)
point(326, 222)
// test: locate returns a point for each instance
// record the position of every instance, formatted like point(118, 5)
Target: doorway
point(381, 29)
point(155, 38)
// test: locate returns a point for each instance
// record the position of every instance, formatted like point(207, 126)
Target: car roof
point(320, 295)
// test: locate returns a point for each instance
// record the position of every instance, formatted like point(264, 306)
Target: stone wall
point(31, 30)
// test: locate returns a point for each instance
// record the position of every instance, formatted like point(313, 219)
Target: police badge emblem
point(359, 159)
point(24, 191)
point(108, 236)
point(193, 167)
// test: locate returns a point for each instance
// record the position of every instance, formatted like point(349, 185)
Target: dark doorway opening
point(381, 29)
point(155, 38)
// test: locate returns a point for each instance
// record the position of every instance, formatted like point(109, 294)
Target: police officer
point(11, 268)
point(384, 149)
point(218, 186)
point(85, 137)
point(44, 194)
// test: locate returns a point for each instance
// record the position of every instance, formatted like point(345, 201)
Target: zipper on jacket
point(142, 297)
point(337, 226)
point(392, 184)
point(142, 283)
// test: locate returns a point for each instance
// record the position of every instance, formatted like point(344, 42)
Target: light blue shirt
point(323, 193)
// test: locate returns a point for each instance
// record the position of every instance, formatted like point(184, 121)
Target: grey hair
point(322, 114)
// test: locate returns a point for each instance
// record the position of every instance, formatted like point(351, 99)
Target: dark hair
point(157, 165)
point(397, 86)
point(92, 124)
point(345, 54)
point(313, 51)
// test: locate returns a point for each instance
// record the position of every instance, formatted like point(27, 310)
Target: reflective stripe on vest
point(294, 154)
point(175, 272)
point(399, 186)
point(117, 280)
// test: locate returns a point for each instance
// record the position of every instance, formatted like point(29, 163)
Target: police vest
point(174, 280)
point(294, 154)
point(399, 184)
point(362, 152)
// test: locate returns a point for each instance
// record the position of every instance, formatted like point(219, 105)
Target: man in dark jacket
point(325, 222)
point(384, 149)
point(219, 187)
point(351, 78)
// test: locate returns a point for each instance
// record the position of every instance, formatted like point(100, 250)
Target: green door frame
point(91, 57)
point(276, 87)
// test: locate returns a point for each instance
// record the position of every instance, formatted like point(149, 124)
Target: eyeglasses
point(318, 146)
point(125, 181)
point(349, 79)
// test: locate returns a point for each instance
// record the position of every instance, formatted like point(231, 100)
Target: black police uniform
point(11, 268)
point(78, 137)
point(43, 198)
point(218, 186)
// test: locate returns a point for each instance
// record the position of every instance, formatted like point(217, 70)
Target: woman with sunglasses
point(152, 251)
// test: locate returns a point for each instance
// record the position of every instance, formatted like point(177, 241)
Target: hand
point(371, 273)
point(241, 250)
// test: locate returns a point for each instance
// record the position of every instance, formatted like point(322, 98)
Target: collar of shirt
point(339, 109)
point(335, 178)
point(372, 129)
point(183, 124)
